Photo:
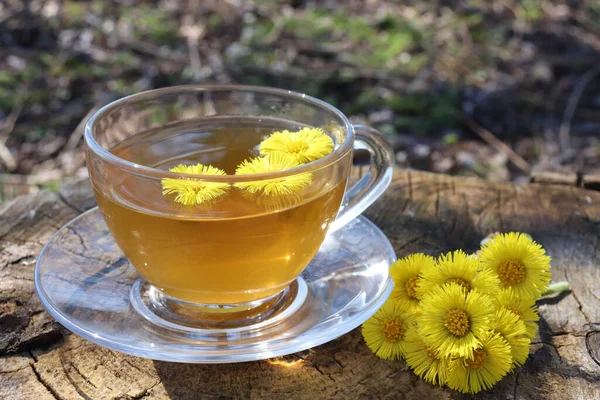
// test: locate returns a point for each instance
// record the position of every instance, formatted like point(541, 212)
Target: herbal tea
point(240, 247)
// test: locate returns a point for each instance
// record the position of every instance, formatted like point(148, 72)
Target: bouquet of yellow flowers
point(462, 320)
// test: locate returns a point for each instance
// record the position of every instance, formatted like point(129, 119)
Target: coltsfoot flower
point(426, 363)
point(453, 322)
point(462, 269)
point(518, 262)
point(305, 145)
point(276, 186)
point(513, 330)
point(385, 332)
point(525, 309)
point(194, 191)
point(488, 364)
point(406, 275)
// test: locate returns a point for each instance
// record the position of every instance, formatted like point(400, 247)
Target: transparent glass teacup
point(234, 260)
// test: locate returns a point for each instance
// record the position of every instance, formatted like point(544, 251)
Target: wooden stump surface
point(420, 212)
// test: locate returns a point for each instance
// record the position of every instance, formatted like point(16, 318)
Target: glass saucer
point(87, 284)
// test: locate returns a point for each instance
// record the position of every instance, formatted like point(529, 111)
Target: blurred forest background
point(484, 88)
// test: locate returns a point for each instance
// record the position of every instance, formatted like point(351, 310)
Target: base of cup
point(164, 310)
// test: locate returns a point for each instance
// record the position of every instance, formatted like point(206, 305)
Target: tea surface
point(236, 249)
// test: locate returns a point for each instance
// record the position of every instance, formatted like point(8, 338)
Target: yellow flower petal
point(518, 262)
point(306, 145)
point(385, 331)
point(453, 322)
point(276, 186)
point(525, 309)
point(425, 363)
point(462, 269)
point(513, 330)
point(406, 275)
point(192, 191)
point(489, 363)
point(197, 169)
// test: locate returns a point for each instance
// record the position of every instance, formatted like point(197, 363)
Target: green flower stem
point(557, 287)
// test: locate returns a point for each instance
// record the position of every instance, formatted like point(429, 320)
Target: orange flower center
point(392, 330)
point(296, 147)
point(478, 361)
point(514, 311)
point(457, 322)
point(511, 272)
point(411, 287)
point(460, 282)
point(431, 354)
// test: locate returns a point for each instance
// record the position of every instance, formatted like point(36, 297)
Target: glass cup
point(236, 260)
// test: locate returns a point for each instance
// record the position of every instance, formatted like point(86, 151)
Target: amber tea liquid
point(238, 249)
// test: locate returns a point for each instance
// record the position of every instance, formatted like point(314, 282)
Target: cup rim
point(139, 169)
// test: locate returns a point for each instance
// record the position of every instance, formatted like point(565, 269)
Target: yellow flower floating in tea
point(275, 186)
point(464, 321)
point(280, 151)
point(305, 145)
point(192, 191)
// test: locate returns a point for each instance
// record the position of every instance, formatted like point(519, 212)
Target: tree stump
point(420, 212)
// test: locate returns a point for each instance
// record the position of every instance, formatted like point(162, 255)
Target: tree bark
point(420, 212)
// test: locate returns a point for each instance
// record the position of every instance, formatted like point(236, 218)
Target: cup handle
point(374, 182)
